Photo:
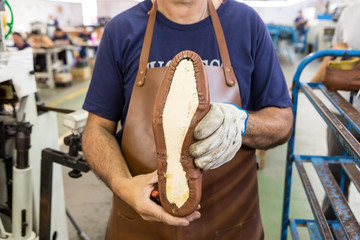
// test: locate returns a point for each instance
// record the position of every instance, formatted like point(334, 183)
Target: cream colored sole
point(180, 106)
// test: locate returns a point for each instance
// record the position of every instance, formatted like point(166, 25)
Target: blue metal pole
point(291, 143)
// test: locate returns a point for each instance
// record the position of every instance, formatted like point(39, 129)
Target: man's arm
point(47, 42)
point(103, 154)
point(268, 127)
point(101, 149)
point(220, 133)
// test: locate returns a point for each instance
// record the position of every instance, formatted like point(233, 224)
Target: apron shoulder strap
point(145, 51)
point(224, 54)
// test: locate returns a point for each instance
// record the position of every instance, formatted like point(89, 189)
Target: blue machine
point(346, 225)
point(289, 35)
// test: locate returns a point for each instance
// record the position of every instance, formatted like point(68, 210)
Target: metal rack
point(346, 225)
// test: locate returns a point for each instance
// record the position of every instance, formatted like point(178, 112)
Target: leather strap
point(224, 54)
point(145, 51)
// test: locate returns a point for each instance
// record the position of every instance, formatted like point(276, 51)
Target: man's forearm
point(268, 127)
point(104, 156)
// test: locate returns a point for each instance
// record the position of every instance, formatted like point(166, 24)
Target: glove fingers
point(207, 145)
point(208, 161)
point(210, 123)
point(232, 150)
point(228, 154)
point(219, 145)
point(233, 145)
point(229, 146)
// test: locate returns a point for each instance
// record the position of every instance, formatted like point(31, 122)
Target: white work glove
point(219, 135)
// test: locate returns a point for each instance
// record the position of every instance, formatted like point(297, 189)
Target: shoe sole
point(181, 102)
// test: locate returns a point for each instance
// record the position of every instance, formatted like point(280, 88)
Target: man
point(61, 38)
point(184, 25)
point(19, 41)
point(38, 40)
point(300, 23)
point(84, 36)
point(300, 27)
point(53, 21)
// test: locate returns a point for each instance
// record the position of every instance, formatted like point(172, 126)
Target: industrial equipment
point(20, 124)
point(72, 159)
point(346, 226)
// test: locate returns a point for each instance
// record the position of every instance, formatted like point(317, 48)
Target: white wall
point(111, 8)
point(285, 15)
point(26, 11)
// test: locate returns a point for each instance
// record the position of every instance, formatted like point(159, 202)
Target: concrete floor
point(89, 201)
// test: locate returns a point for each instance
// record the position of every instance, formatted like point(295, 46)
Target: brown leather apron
point(230, 201)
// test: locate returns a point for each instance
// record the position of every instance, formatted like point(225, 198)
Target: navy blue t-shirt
point(64, 37)
point(252, 55)
point(301, 27)
point(84, 37)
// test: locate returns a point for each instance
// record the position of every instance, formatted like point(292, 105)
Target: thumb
point(152, 177)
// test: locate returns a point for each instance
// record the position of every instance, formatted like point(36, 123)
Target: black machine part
point(7, 134)
point(50, 156)
point(22, 144)
point(74, 143)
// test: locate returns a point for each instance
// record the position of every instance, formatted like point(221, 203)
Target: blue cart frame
point(346, 226)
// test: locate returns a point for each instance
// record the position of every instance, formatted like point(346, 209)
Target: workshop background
point(63, 72)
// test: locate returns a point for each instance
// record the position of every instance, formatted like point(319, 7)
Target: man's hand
point(219, 135)
point(136, 192)
point(103, 154)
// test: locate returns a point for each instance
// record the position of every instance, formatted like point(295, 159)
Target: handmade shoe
point(181, 102)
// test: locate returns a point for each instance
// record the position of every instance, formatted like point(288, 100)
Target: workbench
point(88, 46)
point(52, 62)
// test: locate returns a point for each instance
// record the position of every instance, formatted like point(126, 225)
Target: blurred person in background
point(61, 38)
point(300, 27)
point(84, 36)
point(38, 40)
point(53, 21)
point(19, 41)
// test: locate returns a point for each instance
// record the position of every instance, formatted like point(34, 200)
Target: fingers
point(210, 123)
point(226, 150)
point(153, 212)
point(149, 210)
point(206, 145)
point(211, 160)
point(193, 216)
point(152, 177)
